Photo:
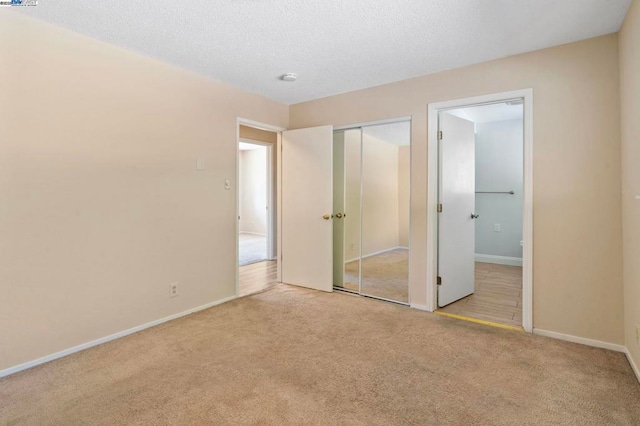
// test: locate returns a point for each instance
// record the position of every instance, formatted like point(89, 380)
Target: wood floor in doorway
point(497, 297)
point(257, 277)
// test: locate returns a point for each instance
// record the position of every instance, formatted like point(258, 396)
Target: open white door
point(307, 204)
point(456, 224)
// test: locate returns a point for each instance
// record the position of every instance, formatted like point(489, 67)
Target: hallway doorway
point(256, 202)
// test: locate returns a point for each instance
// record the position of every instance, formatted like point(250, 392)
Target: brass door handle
point(339, 215)
point(327, 216)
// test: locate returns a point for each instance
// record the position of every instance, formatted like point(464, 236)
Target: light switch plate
point(200, 166)
point(227, 184)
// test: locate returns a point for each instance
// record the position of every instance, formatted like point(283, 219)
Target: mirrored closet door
point(371, 210)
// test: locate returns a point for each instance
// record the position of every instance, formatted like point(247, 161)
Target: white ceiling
point(334, 46)
point(489, 113)
point(394, 133)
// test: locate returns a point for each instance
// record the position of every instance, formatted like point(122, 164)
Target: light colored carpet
point(253, 248)
point(384, 275)
point(296, 356)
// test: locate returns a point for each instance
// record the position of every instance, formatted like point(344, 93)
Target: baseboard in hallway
point(498, 260)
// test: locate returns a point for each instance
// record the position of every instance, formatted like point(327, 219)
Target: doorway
point(480, 226)
point(256, 206)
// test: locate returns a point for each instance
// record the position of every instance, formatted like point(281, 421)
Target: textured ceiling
point(334, 46)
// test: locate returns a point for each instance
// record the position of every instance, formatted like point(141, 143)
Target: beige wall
point(102, 207)
point(577, 235)
point(630, 111)
point(252, 180)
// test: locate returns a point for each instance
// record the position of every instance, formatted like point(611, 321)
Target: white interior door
point(307, 203)
point(456, 226)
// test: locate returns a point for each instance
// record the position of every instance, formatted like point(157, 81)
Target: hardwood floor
point(257, 277)
point(498, 295)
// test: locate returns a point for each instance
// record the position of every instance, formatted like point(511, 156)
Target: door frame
point(278, 185)
point(433, 109)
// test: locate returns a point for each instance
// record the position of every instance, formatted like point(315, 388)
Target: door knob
point(474, 216)
point(327, 216)
point(339, 215)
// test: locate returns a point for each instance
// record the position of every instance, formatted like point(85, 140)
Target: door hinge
point(439, 208)
point(440, 135)
point(439, 281)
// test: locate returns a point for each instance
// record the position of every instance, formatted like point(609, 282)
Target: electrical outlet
point(173, 290)
point(496, 227)
point(352, 247)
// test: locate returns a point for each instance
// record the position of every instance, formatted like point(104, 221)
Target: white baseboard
point(581, 340)
point(500, 260)
point(63, 353)
point(419, 307)
point(378, 252)
point(634, 367)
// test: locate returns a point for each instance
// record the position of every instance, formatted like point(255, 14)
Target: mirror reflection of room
point(371, 193)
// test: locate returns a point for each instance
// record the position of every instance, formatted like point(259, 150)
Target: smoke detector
point(290, 76)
